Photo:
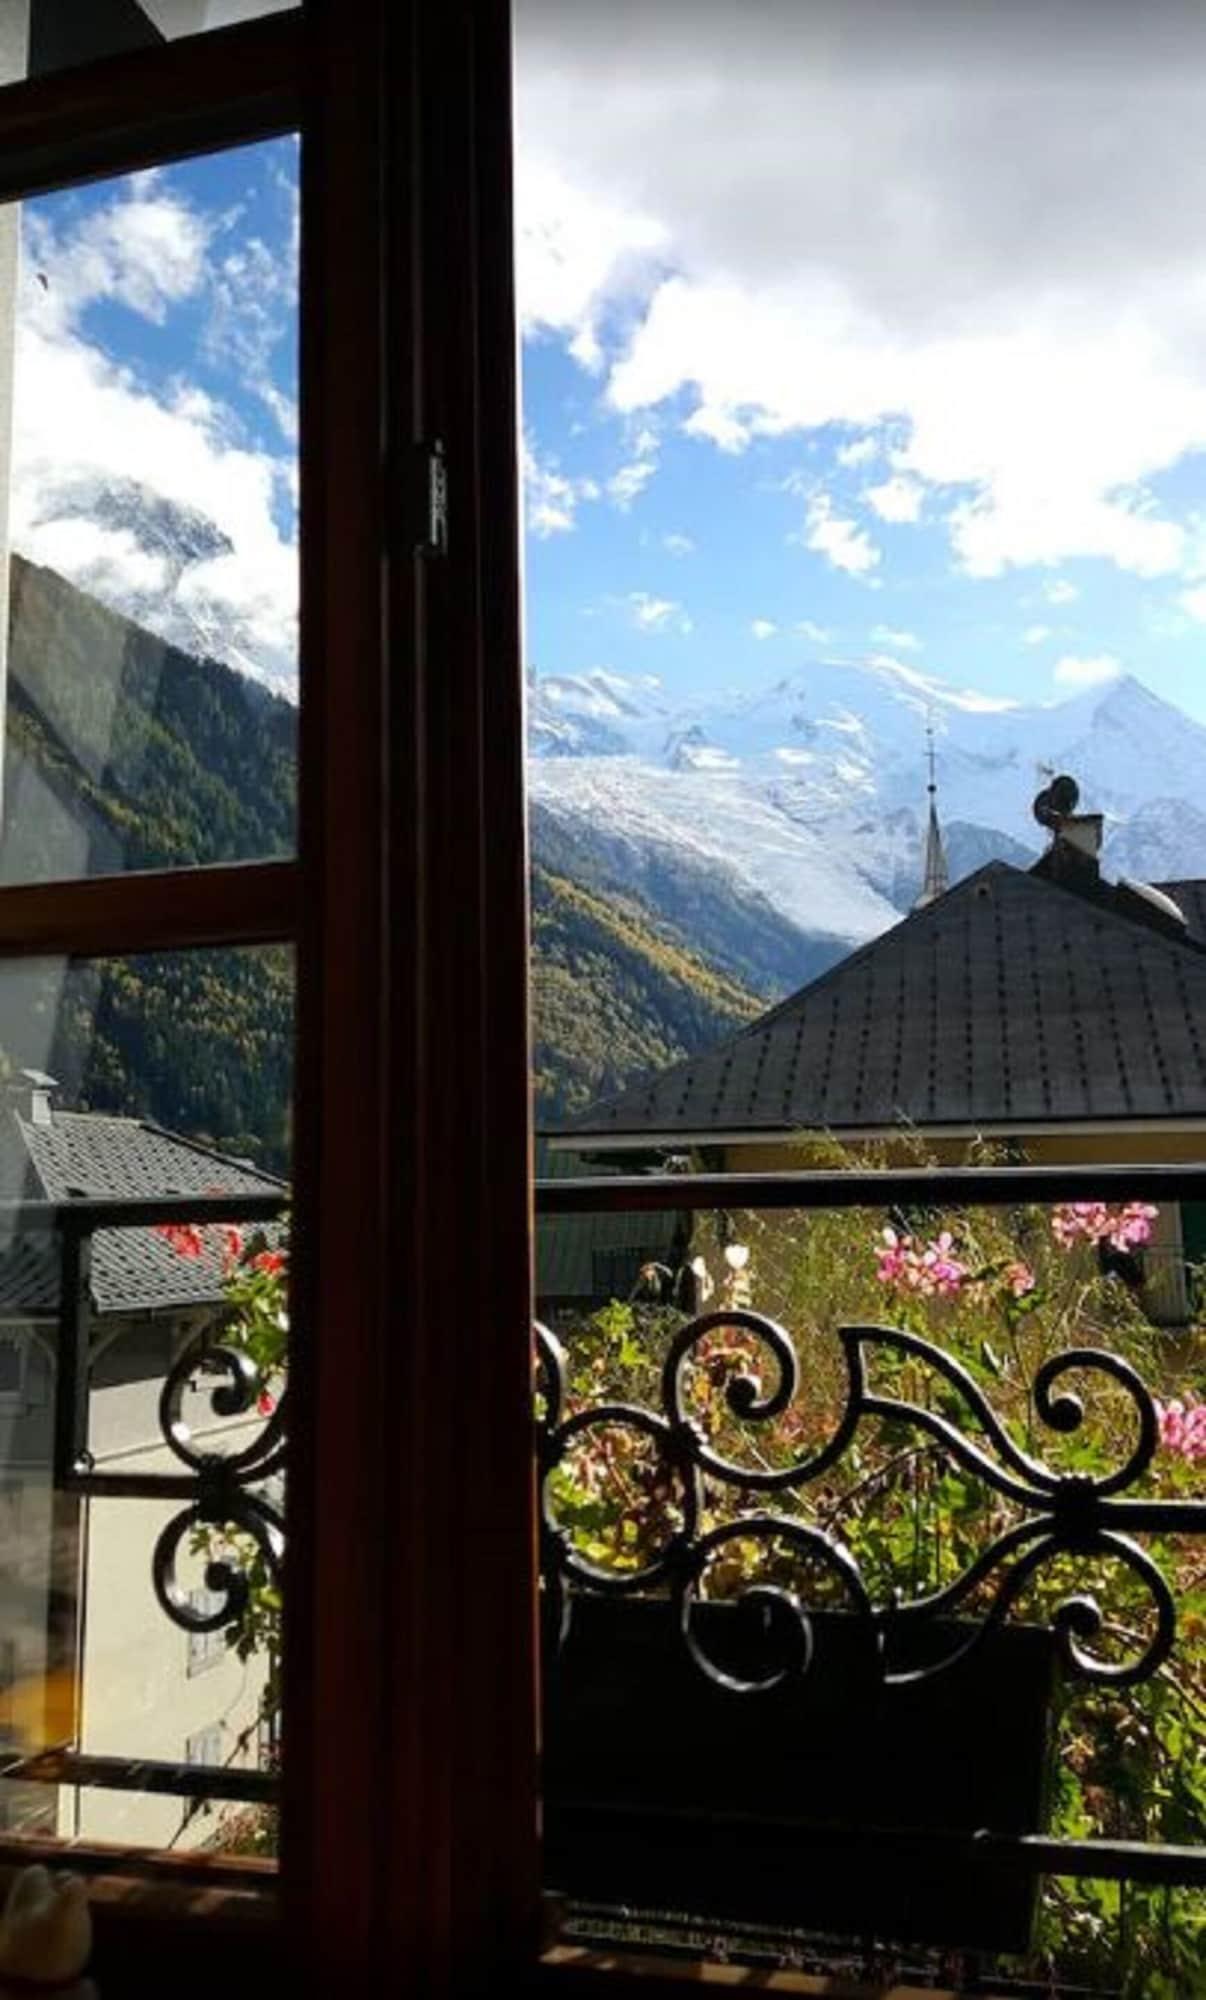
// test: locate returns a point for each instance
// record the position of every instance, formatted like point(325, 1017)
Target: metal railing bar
point(1026, 1853)
point(83, 1214)
point(128, 1774)
point(88, 1485)
point(887, 1187)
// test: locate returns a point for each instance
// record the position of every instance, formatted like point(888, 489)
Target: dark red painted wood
point(223, 88)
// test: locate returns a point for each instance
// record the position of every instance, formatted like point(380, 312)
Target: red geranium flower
point(184, 1237)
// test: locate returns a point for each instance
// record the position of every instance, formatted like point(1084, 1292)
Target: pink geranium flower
point(932, 1270)
point(1020, 1279)
point(1126, 1228)
point(1183, 1428)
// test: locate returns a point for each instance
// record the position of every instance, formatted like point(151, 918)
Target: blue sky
point(817, 362)
point(824, 357)
point(596, 566)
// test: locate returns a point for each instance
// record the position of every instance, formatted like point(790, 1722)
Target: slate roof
point(1190, 898)
point(85, 1153)
point(1012, 1000)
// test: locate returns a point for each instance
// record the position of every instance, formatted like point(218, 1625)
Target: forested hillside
point(612, 998)
point(122, 752)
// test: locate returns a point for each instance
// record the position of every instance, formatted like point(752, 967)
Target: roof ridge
point(854, 958)
point(209, 1152)
point(1062, 928)
point(784, 1007)
point(1105, 907)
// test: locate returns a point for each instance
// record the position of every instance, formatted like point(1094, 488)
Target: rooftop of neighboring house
point(1020, 999)
point(50, 1155)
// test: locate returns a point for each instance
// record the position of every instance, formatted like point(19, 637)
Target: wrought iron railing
point(223, 1491)
point(1062, 1514)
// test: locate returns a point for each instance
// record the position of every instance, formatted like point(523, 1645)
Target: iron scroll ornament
point(1062, 1514)
point(232, 1491)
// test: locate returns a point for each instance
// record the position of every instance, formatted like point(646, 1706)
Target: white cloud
point(630, 481)
point(551, 497)
point(989, 262)
point(860, 452)
point(763, 628)
point(144, 250)
point(1061, 592)
point(252, 317)
point(658, 614)
point(1090, 671)
point(809, 629)
point(1035, 634)
point(1194, 601)
point(146, 493)
point(678, 545)
point(111, 559)
point(842, 543)
point(575, 250)
point(898, 499)
point(887, 635)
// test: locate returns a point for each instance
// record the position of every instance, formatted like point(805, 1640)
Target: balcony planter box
point(664, 1790)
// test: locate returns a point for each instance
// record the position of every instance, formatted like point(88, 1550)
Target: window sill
point(573, 1970)
point(178, 1923)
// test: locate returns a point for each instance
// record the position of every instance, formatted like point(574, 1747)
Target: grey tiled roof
point(89, 1154)
point(1191, 900)
point(1011, 1000)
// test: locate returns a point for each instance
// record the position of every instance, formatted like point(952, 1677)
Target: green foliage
point(254, 1322)
point(613, 997)
point(1129, 1763)
point(122, 752)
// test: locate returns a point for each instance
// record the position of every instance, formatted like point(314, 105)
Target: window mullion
point(243, 903)
point(221, 88)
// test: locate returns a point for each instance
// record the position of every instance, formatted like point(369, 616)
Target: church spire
point(937, 875)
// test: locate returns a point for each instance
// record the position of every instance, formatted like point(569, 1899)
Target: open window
point(869, 981)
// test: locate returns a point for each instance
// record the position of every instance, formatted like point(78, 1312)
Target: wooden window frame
point(409, 1804)
point(409, 1785)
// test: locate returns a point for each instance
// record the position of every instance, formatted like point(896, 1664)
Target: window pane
point(141, 1617)
point(148, 478)
point(41, 35)
point(865, 474)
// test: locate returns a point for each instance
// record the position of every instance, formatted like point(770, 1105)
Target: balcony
point(834, 1610)
point(143, 1482)
point(871, 1571)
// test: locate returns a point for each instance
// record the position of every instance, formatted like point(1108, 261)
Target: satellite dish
point(1057, 802)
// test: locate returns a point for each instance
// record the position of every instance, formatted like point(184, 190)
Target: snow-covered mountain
point(812, 791)
point(168, 567)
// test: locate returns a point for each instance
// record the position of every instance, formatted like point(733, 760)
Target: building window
point(205, 1747)
point(205, 1649)
point(617, 1273)
point(14, 1359)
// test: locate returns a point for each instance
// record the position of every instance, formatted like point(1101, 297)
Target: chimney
point(1074, 856)
point(1074, 861)
point(40, 1087)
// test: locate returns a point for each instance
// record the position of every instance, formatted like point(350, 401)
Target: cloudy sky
point(865, 328)
point(837, 341)
point(154, 451)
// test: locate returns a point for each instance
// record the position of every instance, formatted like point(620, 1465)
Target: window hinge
point(434, 541)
